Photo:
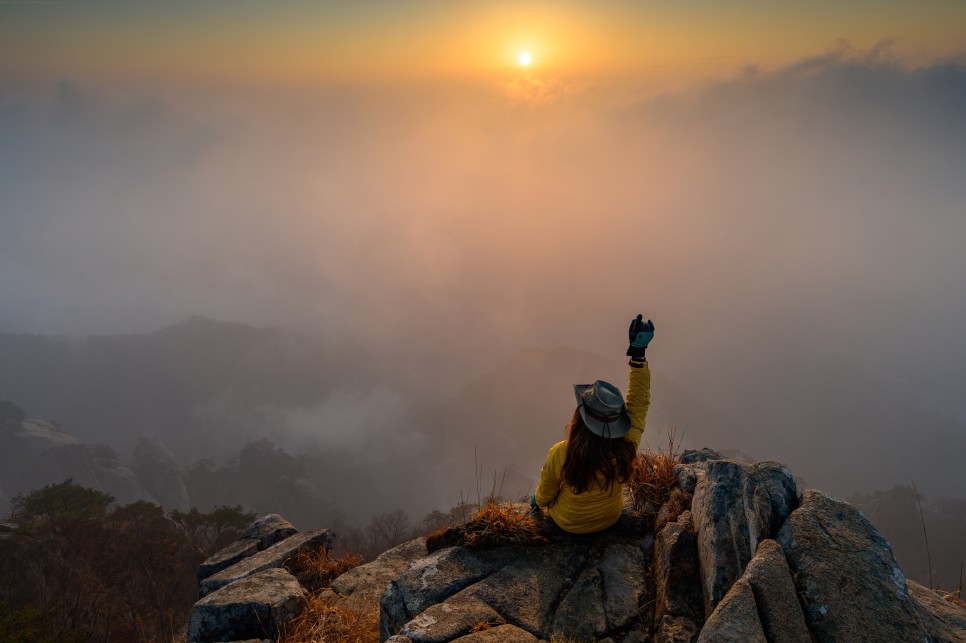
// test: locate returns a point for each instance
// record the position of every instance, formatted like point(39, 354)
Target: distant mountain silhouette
point(204, 385)
point(208, 387)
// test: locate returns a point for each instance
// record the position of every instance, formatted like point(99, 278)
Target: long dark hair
point(593, 460)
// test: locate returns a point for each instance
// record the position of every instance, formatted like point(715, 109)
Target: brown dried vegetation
point(315, 569)
point(494, 525)
point(654, 483)
point(329, 619)
point(486, 625)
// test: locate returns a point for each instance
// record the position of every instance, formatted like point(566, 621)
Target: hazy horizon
point(770, 184)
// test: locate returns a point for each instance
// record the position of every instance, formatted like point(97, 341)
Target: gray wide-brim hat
point(602, 409)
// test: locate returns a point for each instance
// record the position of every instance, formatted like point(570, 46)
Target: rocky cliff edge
point(747, 559)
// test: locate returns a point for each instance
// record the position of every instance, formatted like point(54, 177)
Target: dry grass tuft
point(677, 503)
point(953, 598)
point(329, 620)
point(444, 537)
point(496, 525)
point(486, 625)
point(315, 569)
point(653, 480)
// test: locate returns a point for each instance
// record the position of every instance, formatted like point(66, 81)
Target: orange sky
point(252, 41)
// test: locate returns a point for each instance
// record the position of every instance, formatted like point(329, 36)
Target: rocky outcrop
point(262, 534)
point(258, 606)
point(270, 558)
point(851, 584)
point(268, 530)
point(738, 566)
point(775, 595)
point(35, 453)
point(749, 561)
point(364, 585)
point(575, 588)
point(735, 618)
point(157, 470)
point(735, 507)
point(245, 592)
point(679, 604)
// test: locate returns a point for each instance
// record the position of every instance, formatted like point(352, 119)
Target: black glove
point(639, 335)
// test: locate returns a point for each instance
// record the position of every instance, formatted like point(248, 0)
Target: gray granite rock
point(268, 530)
point(845, 570)
point(580, 614)
point(572, 588)
point(690, 456)
point(225, 558)
point(365, 584)
point(258, 606)
point(679, 606)
point(433, 579)
point(501, 634)
point(735, 618)
point(527, 591)
point(448, 620)
point(735, 507)
point(269, 558)
point(778, 607)
point(943, 620)
point(624, 574)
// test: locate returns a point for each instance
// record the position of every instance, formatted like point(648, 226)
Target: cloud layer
point(816, 208)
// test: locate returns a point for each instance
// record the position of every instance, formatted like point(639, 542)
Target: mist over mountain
point(208, 412)
point(205, 387)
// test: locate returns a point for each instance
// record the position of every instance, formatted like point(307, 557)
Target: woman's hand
point(639, 335)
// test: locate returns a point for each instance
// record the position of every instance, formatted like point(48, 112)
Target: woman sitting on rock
point(581, 483)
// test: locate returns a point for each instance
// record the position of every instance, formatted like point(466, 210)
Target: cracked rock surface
point(574, 588)
point(751, 560)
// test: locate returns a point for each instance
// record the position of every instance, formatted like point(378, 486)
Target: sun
point(524, 58)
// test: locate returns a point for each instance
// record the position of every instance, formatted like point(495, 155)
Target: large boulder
point(258, 606)
point(775, 595)
point(735, 618)
point(850, 581)
point(262, 534)
point(365, 584)
point(269, 558)
point(268, 530)
point(226, 557)
point(573, 588)
point(735, 507)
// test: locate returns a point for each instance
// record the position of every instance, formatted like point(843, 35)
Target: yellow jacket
point(596, 508)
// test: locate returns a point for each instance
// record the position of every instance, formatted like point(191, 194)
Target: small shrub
point(329, 619)
point(444, 537)
point(316, 570)
point(653, 481)
point(494, 525)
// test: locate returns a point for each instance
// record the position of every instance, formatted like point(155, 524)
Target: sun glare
point(525, 58)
